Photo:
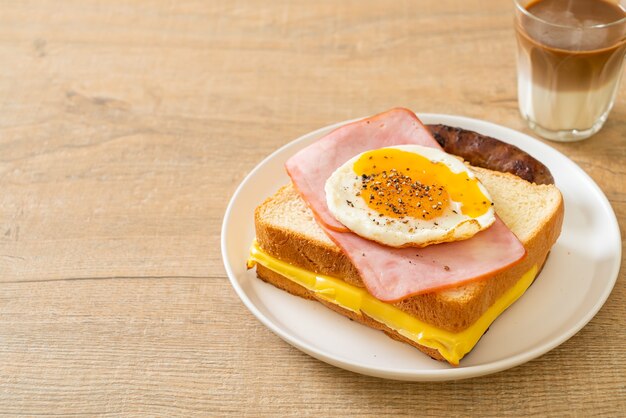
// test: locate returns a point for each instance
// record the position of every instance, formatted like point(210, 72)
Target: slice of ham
point(392, 274)
point(310, 168)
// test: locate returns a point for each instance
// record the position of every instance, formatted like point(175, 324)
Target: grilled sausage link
point(487, 152)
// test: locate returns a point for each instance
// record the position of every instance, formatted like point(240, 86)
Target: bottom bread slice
point(438, 344)
point(287, 285)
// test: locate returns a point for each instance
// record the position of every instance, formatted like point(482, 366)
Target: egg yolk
point(400, 184)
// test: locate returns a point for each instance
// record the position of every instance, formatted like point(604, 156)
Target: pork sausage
point(487, 152)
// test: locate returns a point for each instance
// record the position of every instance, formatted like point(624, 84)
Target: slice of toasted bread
point(287, 230)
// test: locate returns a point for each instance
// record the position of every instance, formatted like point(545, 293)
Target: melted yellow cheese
point(452, 346)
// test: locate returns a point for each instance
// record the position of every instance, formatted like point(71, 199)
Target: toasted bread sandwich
point(296, 252)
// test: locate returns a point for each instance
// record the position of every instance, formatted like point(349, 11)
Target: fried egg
point(409, 195)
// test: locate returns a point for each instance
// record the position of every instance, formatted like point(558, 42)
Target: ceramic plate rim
point(425, 374)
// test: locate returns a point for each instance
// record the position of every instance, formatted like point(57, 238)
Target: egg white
point(351, 210)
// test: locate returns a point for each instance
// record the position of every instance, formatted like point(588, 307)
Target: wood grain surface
point(125, 127)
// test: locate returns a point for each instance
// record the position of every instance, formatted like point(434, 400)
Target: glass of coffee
point(570, 59)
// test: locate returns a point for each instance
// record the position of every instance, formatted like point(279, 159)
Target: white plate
point(573, 286)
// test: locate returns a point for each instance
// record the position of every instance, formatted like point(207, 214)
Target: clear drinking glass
point(568, 65)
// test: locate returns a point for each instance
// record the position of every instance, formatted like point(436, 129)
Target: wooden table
point(125, 128)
